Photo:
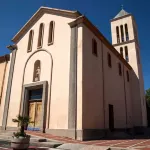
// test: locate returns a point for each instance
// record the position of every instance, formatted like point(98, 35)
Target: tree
point(147, 97)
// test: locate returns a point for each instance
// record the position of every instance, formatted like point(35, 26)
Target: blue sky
point(15, 13)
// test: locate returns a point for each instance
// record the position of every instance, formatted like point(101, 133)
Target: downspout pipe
point(103, 80)
point(125, 97)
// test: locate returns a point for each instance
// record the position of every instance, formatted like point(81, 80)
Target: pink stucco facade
point(103, 85)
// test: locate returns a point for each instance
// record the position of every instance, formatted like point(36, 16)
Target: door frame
point(25, 97)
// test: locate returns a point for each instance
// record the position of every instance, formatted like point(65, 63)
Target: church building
point(70, 80)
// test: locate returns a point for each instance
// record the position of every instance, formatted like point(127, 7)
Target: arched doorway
point(37, 80)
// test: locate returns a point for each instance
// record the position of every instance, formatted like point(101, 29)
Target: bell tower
point(125, 41)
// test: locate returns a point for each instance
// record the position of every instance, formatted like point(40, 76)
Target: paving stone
point(48, 149)
point(71, 146)
point(42, 140)
point(43, 148)
point(92, 147)
point(56, 149)
point(35, 139)
point(46, 144)
point(117, 148)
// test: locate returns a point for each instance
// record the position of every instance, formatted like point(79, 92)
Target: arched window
point(41, 33)
point(109, 60)
point(119, 68)
point(122, 33)
point(30, 41)
point(121, 51)
point(128, 78)
point(51, 33)
point(117, 33)
point(126, 54)
point(126, 32)
point(94, 47)
point(37, 71)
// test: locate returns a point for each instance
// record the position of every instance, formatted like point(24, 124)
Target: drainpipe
point(103, 78)
point(125, 97)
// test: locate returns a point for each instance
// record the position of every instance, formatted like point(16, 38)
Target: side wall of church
point(135, 61)
point(136, 100)
point(136, 83)
point(102, 86)
point(55, 64)
point(117, 92)
point(93, 112)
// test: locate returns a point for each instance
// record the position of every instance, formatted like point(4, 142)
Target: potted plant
point(20, 139)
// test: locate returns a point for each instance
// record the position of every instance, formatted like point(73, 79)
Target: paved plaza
point(70, 144)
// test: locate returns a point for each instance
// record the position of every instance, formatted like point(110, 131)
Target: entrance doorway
point(35, 109)
point(111, 117)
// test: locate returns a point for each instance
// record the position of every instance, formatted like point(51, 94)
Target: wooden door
point(31, 114)
point(38, 114)
point(35, 110)
point(111, 117)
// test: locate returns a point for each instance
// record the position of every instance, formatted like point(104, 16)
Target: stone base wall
point(85, 134)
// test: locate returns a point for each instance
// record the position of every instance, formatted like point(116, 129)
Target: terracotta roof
point(39, 13)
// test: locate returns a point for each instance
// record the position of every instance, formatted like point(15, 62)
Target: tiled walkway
point(140, 144)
